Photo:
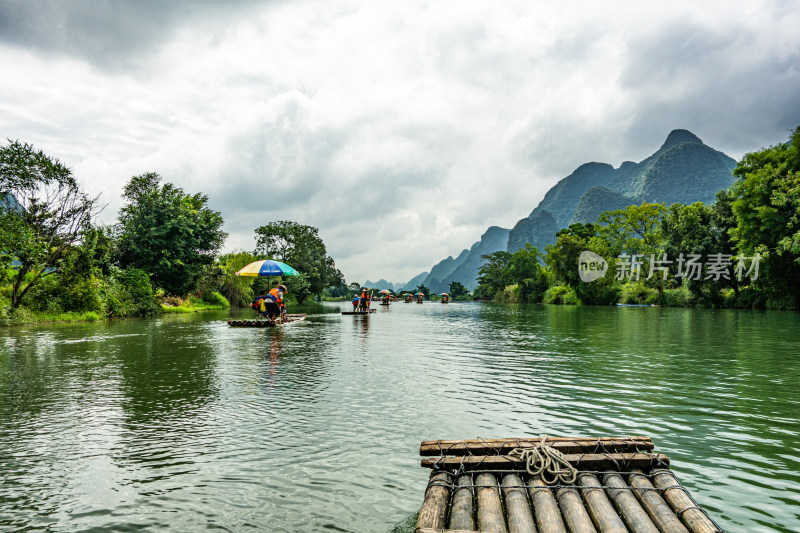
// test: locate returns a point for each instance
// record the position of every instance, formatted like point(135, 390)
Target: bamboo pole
point(662, 515)
point(562, 444)
point(431, 530)
point(434, 507)
point(628, 506)
point(600, 509)
point(518, 508)
point(573, 511)
point(586, 461)
point(490, 510)
point(545, 508)
point(680, 502)
point(461, 508)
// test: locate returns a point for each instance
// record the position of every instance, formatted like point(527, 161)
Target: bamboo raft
point(357, 312)
point(264, 323)
point(621, 486)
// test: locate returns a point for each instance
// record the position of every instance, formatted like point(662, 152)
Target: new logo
point(591, 266)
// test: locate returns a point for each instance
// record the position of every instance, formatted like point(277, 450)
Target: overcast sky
point(402, 130)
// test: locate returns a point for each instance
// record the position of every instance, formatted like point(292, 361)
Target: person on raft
point(364, 300)
point(355, 302)
point(275, 303)
point(259, 305)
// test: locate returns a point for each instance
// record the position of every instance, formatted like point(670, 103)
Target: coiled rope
point(546, 462)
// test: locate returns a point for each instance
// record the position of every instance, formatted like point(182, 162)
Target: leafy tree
point(767, 210)
point(424, 290)
point(525, 269)
point(635, 231)
point(300, 247)
point(699, 230)
point(491, 275)
point(562, 257)
point(169, 234)
point(457, 289)
point(238, 290)
point(298, 286)
point(43, 215)
point(338, 291)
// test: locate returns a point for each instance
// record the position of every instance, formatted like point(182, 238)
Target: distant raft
point(585, 485)
point(357, 312)
point(264, 323)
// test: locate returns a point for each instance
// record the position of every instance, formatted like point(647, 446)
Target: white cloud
point(401, 130)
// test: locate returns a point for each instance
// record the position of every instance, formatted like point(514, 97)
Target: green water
point(183, 423)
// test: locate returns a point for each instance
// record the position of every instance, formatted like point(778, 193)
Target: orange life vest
point(276, 295)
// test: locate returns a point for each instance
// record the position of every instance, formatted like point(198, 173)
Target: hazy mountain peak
point(677, 137)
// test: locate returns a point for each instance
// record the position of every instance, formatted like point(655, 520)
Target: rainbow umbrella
point(385, 291)
point(267, 268)
point(444, 294)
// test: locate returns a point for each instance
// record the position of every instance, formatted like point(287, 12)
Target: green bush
point(20, 315)
point(45, 296)
point(680, 297)
point(638, 293)
point(216, 299)
point(532, 290)
point(510, 294)
point(561, 295)
point(749, 298)
point(82, 295)
point(136, 293)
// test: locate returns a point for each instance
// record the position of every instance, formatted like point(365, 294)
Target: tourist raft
point(264, 323)
point(555, 485)
point(357, 312)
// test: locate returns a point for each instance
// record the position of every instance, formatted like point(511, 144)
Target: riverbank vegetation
point(741, 251)
point(161, 255)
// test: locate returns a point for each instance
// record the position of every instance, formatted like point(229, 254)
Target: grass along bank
point(211, 301)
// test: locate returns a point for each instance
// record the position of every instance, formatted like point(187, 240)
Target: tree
point(562, 260)
point(562, 257)
point(767, 210)
point(300, 247)
point(298, 286)
point(426, 292)
point(525, 270)
point(457, 289)
point(170, 235)
point(238, 290)
point(492, 274)
point(635, 231)
point(699, 230)
point(43, 214)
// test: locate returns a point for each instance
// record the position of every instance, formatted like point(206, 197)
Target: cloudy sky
point(402, 130)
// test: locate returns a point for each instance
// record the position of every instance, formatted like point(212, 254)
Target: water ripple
point(182, 423)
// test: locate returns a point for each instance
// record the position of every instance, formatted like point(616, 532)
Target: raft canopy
point(555, 485)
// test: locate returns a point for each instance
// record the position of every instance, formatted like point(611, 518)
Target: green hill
point(682, 170)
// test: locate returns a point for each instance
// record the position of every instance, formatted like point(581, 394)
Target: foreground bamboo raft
point(620, 485)
point(264, 323)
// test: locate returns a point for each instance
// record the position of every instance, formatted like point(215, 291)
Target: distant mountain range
point(683, 170)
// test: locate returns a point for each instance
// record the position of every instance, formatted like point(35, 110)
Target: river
point(183, 423)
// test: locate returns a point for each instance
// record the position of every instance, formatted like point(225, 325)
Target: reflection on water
point(182, 423)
